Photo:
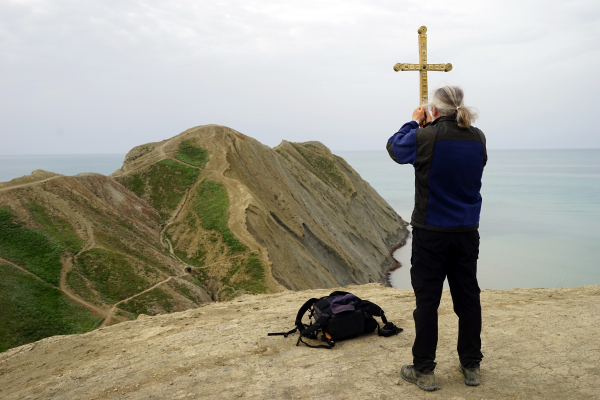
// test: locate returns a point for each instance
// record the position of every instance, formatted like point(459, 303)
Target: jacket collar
point(444, 118)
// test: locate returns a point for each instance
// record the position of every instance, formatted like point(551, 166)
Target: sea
point(540, 218)
point(16, 166)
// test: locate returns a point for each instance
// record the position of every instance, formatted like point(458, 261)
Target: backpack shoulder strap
point(305, 307)
point(298, 322)
point(284, 334)
point(372, 309)
point(312, 332)
point(319, 323)
point(389, 328)
point(329, 344)
point(309, 331)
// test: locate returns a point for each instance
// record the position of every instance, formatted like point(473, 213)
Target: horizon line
point(332, 150)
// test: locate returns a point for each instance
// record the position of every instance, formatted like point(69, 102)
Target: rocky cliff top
point(537, 343)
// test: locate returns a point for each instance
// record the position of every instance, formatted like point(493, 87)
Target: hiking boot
point(472, 375)
point(425, 381)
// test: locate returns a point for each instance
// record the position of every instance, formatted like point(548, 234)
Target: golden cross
point(423, 67)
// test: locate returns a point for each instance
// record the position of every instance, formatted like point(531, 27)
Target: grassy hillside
point(40, 232)
point(212, 206)
point(111, 274)
point(202, 238)
point(162, 184)
point(31, 310)
point(231, 264)
point(193, 155)
point(38, 251)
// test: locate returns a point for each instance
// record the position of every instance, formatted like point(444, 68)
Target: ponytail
point(464, 116)
point(448, 100)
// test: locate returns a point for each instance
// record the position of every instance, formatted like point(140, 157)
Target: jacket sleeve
point(484, 144)
point(402, 146)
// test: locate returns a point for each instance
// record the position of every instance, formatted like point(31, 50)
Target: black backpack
point(340, 316)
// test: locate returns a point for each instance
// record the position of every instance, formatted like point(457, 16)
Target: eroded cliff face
point(301, 211)
point(322, 224)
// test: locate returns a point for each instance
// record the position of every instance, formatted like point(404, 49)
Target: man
point(448, 155)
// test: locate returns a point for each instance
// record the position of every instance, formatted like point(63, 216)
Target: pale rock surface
point(538, 344)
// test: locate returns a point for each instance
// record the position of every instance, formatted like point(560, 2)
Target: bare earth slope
point(538, 344)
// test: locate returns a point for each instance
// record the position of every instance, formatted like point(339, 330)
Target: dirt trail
point(67, 266)
point(114, 307)
point(174, 215)
point(29, 183)
point(162, 239)
point(67, 263)
point(178, 209)
point(161, 149)
point(2, 260)
point(91, 239)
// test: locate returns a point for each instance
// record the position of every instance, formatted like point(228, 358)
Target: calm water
point(540, 220)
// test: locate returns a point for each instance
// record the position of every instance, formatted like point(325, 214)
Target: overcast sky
point(104, 76)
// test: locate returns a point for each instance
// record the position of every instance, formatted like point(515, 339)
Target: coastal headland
point(537, 343)
point(207, 215)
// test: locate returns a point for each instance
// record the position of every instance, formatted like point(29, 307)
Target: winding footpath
point(163, 240)
point(68, 261)
point(30, 183)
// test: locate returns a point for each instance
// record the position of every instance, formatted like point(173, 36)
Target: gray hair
point(448, 100)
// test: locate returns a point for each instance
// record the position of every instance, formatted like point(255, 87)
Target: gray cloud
point(115, 74)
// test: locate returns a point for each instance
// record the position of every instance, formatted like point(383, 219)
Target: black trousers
point(435, 256)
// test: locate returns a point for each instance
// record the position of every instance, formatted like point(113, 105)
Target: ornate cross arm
point(423, 67)
point(418, 67)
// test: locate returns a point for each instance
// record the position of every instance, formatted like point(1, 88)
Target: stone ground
point(538, 344)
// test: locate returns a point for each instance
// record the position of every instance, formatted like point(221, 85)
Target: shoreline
point(393, 250)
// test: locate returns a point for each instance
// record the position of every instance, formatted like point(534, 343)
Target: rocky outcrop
point(537, 344)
